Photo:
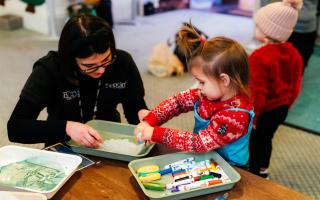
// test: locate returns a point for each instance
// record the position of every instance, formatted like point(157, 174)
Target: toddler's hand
point(83, 134)
point(140, 127)
point(142, 114)
point(147, 134)
point(143, 132)
point(138, 131)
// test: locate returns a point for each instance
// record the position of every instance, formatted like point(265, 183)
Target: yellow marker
point(148, 169)
point(149, 173)
point(150, 177)
point(212, 167)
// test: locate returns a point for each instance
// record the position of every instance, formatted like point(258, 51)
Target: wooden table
point(111, 179)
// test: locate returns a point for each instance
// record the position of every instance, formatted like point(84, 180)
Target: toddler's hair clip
point(202, 39)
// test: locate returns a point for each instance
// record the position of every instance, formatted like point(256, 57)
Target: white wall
point(37, 21)
point(57, 16)
point(51, 16)
point(124, 10)
point(48, 18)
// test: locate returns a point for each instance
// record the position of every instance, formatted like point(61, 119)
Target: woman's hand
point(83, 134)
point(142, 114)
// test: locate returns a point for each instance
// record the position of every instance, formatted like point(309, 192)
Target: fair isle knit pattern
point(211, 137)
point(180, 103)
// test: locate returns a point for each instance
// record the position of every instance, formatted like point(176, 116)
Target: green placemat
point(305, 113)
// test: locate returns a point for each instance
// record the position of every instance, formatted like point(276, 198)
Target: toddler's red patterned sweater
point(234, 123)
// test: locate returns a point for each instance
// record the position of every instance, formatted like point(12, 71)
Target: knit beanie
point(277, 20)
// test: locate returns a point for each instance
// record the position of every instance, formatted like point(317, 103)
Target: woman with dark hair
point(85, 79)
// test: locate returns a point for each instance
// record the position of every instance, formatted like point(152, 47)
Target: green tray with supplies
point(231, 175)
point(121, 143)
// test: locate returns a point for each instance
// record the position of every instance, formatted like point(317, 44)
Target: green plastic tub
point(163, 160)
point(112, 130)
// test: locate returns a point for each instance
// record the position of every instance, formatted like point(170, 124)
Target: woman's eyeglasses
point(90, 70)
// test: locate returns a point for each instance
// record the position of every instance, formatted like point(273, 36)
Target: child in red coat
point(276, 74)
point(223, 112)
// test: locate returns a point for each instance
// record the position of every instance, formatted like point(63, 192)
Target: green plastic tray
point(111, 130)
point(163, 160)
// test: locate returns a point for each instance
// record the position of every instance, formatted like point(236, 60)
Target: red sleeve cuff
point(151, 119)
point(158, 134)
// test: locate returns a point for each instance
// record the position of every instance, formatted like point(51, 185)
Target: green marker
point(154, 186)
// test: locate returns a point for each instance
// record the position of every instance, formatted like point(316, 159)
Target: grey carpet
point(294, 162)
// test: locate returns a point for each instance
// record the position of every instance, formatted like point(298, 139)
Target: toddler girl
point(222, 110)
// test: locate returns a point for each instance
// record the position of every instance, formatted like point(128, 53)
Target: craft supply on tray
point(149, 173)
point(155, 186)
point(187, 174)
point(207, 172)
